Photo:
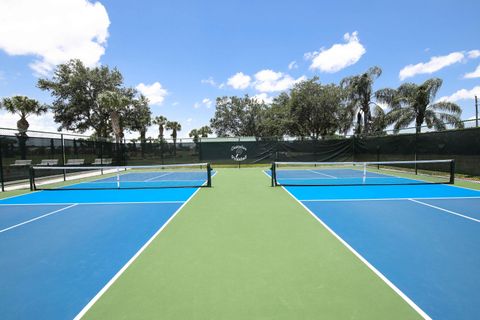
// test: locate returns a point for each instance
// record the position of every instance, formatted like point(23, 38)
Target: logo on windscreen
point(239, 153)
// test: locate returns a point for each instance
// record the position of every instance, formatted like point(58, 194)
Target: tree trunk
point(116, 127)
point(143, 133)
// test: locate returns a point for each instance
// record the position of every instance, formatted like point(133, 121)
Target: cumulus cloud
point(205, 102)
point(435, 64)
point(263, 97)
point(53, 31)
point(473, 74)
point(473, 54)
point(292, 65)
point(462, 94)
point(271, 81)
point(154, 92)
point(239, 81)
point(338, 56)
point(212, 82)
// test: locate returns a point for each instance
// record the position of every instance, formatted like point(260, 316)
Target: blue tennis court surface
point(424, 239)
point(60, 248)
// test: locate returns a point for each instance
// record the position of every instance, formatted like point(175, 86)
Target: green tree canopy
point(140, 116)
point(314, 109)
point(75, 89)
point(238, 116)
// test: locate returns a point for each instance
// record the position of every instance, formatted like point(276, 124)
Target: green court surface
point(244, 250)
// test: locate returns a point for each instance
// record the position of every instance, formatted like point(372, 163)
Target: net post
point(209, 175)
point(274, 174)
point(118, 178)
point(452, 171)
point(32, 178)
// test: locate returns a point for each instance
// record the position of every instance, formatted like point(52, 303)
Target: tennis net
point(120, 177)
point(362, 173)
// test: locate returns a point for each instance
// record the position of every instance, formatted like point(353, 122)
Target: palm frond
point(432, 86)
point(447, 106)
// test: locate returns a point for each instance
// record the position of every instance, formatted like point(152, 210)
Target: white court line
point(384, 199)
point(323, 174)
point(365, 261)
point(445, 210)
point(159, 176)
point(132, 259)
point(37, 218)
point(89, 203)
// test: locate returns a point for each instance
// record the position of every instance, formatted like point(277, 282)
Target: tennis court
point(422, 238)
point(60, 248)
point(151, 243)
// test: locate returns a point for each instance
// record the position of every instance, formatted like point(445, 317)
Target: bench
point(21, 163)
point(48, 162)
point(75, 162)
point(104, 161)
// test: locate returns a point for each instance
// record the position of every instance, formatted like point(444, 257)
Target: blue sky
point(184, 54)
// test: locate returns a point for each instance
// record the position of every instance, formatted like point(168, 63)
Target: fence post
point(64, 157)
point(353, 148)
point(476, 111)
point(1, 168)
point(415, 150)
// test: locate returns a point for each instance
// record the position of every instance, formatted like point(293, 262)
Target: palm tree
point(175, 127)
point(160, 121)
point(141, 116)
point(413, 103)
point(359, 93)
point(115, 103)
point(195, 135)
point(24, 107)
point(205, 131)
point(141, 119)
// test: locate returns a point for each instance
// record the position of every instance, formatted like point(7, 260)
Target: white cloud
point(207, 102)
point(263, 97)
point(53, 31)
point(239, 81)
point(271, 81)
point(175, 104)
point(212, 82)
point(338, 56)
point(473, 74)
point(473, 54)
point(189, 120)
point(154, 92)
point(435, 64)
point(292, 65)
point(462, 94)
